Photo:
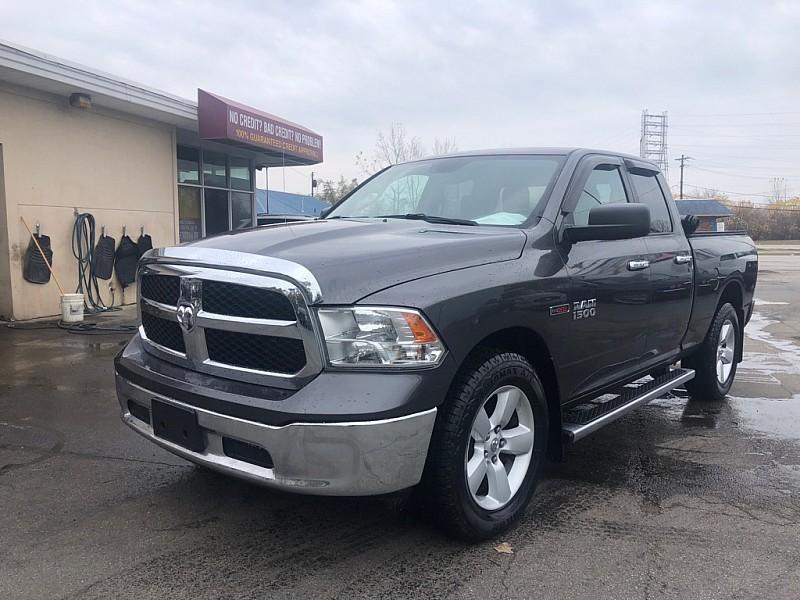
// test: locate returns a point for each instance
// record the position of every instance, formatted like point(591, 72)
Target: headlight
point(379, 336)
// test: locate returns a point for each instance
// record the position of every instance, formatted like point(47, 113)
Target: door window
point(650, 193)
point(216, 211)
point(603, 186)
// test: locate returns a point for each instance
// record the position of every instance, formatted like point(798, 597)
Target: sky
point(485, 74)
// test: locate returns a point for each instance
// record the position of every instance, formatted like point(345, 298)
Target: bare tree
point(711, 194)
point(778, 189)
point(398, 146)
point(391, 148)
point(444, 146)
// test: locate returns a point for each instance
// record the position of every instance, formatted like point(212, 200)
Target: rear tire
point(714, 362)
point(489, 446)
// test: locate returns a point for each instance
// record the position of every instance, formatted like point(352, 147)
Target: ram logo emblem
point(185, 316)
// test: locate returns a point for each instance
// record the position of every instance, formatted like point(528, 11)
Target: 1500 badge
point(584, 309)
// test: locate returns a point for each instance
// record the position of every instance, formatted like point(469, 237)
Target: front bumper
point(337, 459)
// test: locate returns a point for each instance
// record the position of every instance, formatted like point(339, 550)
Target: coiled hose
point(83, 243)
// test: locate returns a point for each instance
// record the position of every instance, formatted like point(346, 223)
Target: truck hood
point(353, 258)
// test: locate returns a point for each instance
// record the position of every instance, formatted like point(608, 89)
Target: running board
point(591, 416)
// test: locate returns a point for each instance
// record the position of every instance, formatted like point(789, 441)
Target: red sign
point(223, 119)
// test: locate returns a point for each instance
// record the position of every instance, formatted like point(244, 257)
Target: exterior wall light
point(79, 100)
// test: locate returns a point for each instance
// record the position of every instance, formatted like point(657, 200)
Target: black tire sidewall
point(494, 371)
point(726, 313)
point(705, 385)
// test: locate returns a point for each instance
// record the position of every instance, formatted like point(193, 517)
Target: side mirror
point(616, 221)
point(324, 212)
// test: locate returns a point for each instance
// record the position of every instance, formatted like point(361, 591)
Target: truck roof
point(575, 151)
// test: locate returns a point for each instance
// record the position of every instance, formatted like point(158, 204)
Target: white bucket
point(72, 308)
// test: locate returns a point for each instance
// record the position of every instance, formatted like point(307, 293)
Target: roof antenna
point(38, 230)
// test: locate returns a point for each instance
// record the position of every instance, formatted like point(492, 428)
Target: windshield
point(489, 190)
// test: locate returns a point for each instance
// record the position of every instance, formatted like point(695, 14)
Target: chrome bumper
point(334, 459)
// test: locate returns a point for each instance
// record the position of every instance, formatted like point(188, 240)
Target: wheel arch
point(533, 347)
point(733, 293)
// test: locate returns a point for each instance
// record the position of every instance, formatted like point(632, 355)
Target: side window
point(603, 186)
point(650, 193)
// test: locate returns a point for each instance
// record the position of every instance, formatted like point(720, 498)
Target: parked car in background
point(448, 325)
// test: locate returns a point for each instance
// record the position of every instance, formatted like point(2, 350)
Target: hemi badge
point(559, 310)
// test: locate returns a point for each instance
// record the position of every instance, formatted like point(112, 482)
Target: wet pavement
point(682, 498)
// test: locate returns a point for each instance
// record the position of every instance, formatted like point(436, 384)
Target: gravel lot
point(679, 499)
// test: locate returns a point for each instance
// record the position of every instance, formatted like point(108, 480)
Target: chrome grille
point(263, 352)
point(164, 289)
point(245, 301)
point(163, 332)
point(254, 328)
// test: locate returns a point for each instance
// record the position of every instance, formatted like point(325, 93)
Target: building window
point(240, 174)
point(215, 193)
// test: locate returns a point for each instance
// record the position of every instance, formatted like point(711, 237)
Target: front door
point(606, 327)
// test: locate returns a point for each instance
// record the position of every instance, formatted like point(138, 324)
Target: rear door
point(670, 258)
point(606, 324)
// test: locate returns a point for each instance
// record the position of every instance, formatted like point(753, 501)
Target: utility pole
point(682, 160)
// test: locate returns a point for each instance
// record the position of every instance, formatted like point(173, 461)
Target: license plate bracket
point(177, 425)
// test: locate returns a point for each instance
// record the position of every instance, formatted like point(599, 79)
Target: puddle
point(768, 416)
point(785, 360)
point(759, 302)
point(756, 330)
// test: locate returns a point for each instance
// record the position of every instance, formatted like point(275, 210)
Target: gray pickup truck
point(448, 325)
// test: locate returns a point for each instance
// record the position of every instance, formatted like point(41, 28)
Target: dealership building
point(73, 139)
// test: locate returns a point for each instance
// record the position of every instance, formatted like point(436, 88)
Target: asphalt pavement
point(681, 498)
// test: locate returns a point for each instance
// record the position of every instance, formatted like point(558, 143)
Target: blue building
point(283, 203)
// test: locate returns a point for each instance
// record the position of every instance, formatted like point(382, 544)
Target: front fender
point(469, 305)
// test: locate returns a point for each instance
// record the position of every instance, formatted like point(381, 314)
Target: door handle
point(682, 259)
point(638, 265)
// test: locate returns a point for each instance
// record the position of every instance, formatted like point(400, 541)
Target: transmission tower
point(653, 141)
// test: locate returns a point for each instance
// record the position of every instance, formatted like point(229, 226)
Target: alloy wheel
point(725, 351)
point(500, 447)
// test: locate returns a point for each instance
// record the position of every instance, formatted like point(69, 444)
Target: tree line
point(392, 147)
point(776, 219)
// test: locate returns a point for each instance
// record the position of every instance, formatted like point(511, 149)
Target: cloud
point(487, 74)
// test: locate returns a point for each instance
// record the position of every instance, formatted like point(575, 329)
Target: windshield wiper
point(430, 219)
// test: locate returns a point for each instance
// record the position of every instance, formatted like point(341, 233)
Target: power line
point(708, 189)
point(741, 157)
point(737, 175)
point(749, 145)
point(746, 136)
point(756, 207)
point(745, 124)
point(752, 114)
point(771, 168)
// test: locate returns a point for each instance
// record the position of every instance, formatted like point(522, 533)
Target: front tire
point(489, 446)
point(714, 361)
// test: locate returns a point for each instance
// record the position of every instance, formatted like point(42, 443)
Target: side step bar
point(588, 418)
